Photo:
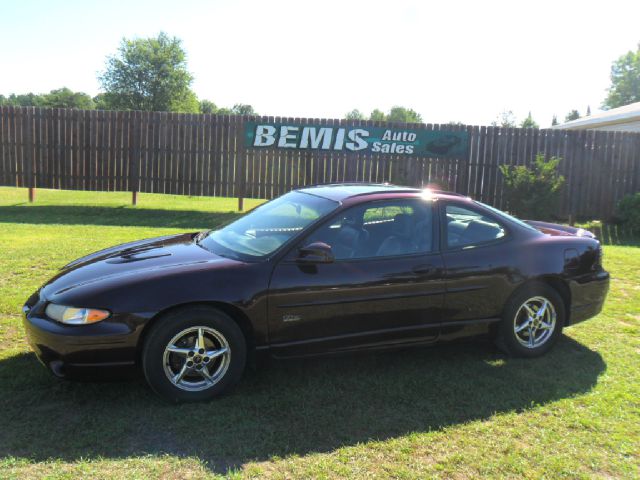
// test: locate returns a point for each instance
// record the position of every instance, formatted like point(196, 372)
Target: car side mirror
point(316, 252)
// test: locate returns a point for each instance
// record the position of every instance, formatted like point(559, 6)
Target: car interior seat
point(351, 238)
point(479, 231)
point(399, 241)
point(423, 236)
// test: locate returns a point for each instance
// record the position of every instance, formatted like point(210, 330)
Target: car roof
point(343, 191)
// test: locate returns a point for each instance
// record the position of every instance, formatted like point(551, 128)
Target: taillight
point(598, 262)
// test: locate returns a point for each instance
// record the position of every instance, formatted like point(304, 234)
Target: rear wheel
point(194, 354)
point(532, 321)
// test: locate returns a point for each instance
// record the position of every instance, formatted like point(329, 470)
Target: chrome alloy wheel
point(196, 358)
point(534, 322)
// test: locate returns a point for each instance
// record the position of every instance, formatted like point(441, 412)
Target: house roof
point(626, 114)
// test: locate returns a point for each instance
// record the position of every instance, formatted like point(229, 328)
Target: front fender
point(243, 285)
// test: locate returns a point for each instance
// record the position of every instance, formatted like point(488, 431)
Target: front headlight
point(75, 316)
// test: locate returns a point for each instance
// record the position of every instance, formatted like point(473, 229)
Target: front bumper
point(588, 295)
point(68, 349)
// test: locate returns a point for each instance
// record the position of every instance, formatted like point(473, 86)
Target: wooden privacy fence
point(193, 154)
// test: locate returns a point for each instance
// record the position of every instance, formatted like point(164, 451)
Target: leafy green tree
point(243, 109)
point(22, 100)
point(100, 102)
point(529, 122)
point(455, 123)
point(58, 98)
point(572, 115)
point(66, 98)
point(588, 110)
point(225, 111)
point(187, 104)
point(625, 80)
point(377, 115)
point(404, 115)
point(149, 74)
point(505, 119)
point(354, 114)
point(554, 121)
point(533, 193)
point(207, 106)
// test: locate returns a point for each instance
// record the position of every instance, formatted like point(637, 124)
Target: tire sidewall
point(170, 325)
point(507, 338)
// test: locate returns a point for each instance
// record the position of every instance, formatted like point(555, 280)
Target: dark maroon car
point(325, 269)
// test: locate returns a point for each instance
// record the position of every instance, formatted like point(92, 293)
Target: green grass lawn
point(451, 412)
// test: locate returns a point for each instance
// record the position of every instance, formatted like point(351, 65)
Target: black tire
point(219, 333)
point(512, 342)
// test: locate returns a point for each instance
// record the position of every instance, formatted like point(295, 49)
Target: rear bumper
point(588, 295)
point(68, 350)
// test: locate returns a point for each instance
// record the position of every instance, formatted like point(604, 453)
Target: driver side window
point(380, 229)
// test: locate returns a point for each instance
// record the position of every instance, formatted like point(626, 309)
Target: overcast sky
point(450, 61)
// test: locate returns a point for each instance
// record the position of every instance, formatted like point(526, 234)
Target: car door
point(385, 285)
point(476, 252)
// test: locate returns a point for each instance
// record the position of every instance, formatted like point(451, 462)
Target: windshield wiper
point(199, 236)
point(232, 256)
point(227, 254)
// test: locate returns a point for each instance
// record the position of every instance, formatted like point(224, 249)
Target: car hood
point(140, 258)
point(556, 229)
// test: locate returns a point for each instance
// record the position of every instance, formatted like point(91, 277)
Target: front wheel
point(194, 354)
point(532, 321)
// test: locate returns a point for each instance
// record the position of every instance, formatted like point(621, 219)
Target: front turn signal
point(75, 316)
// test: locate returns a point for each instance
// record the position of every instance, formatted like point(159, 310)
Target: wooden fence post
point(134, 154)
point(240, 162)
point(27, 146)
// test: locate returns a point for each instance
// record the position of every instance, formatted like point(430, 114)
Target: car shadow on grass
point(292, 407)
point(113, 216)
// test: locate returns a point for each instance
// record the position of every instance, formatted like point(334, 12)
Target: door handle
point(423, 270)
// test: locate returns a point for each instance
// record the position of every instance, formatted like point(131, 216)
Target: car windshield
point(265, 229)
point(508, 217)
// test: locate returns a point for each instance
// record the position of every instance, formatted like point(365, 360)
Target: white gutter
point(628, 113)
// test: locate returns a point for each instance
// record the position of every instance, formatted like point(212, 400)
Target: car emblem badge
point(291, 318)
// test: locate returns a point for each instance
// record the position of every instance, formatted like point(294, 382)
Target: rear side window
point(467, 228)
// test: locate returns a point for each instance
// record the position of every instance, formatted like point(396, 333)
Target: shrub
point(533, 193)
point(628, 211)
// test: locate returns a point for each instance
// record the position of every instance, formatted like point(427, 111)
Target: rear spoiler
point(558, 229)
